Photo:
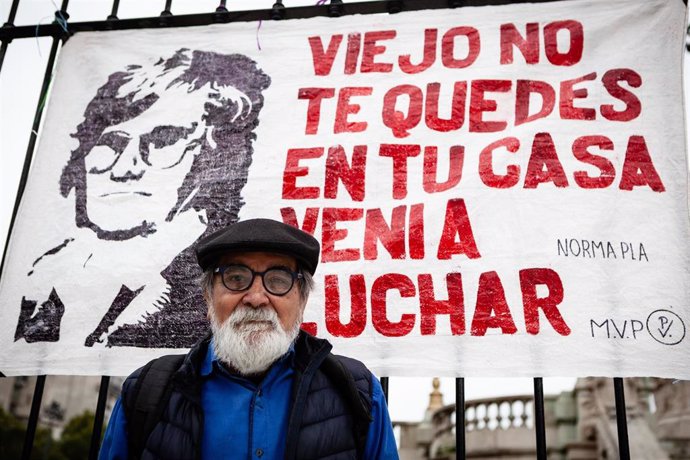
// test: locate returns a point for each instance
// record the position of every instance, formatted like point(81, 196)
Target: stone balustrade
point(580, 424)
point(494, 427)
point(488, 414)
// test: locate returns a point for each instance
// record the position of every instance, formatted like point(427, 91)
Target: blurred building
point(64, 397)
point(580, 424)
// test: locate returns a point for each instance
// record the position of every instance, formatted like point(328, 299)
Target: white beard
point(251, 339)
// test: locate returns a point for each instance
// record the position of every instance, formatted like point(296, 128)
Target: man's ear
point(209, 303)
point(301, 315)
point(303, 305)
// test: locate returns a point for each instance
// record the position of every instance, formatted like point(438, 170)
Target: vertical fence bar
point(384, 386)
point(13, 12)
point(539, 425)
point(278, 10)
point(41, 379)
point(335, 8)
point(9, 23)
point(621, 419)
point(32, 142)
point(33, 417)
point(460, 418)
point(98, 419)
point(166, 11)
point(3, 49)
point(113, 12)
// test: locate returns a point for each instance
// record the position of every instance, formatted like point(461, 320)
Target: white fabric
point(621, 255)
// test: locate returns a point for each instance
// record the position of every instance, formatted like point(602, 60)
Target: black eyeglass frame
point(294, 275)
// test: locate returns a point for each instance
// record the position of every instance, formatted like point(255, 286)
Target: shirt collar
point(212, 362)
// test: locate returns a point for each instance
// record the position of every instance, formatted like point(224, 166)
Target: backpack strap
point(343, 380)
point(145, 403)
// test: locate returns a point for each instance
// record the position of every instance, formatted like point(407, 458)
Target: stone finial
point(435, 397)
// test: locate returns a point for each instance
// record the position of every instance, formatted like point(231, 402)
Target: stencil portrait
point(163, 150)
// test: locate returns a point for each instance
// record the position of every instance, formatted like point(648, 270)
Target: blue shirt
point(247, 420)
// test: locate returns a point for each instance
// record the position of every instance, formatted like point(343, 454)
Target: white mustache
point(244, 315)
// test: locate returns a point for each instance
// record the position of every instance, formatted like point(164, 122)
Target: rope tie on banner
point(38, 44)
point(59, 20)
point(277, 12)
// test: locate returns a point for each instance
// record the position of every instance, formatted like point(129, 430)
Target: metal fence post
point(621, 419)
point(98, 418)
point(384, 387)
point(460, 418)
point(539, 425)
point(33, 417)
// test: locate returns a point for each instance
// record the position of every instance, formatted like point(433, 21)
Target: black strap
point(144, 405)
point(343, 380)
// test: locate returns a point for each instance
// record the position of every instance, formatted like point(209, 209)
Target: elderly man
point(257, 387)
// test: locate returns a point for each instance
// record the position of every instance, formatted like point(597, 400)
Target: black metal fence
point(61, 29)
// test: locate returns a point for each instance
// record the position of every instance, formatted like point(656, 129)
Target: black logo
point(665, 327)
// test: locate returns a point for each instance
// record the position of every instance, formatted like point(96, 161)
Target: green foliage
point(12, 432)
point(73, 445)
point(45, 447)
point(446, 450)
point(76, 437)
point(11, 436)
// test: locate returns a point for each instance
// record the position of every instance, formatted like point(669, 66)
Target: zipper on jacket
point(252, 405)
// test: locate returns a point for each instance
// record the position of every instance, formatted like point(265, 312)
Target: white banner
point(498, 191)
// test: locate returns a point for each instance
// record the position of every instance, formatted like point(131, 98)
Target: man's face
point(288, 307)
point(254, 328)
point(136, 167)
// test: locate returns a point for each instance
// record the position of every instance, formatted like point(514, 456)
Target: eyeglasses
point(164, 147)
point(276, 280)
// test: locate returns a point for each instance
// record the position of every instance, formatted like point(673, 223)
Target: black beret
point(259, 235)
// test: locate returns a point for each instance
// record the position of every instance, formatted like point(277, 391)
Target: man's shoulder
point(172, 362)
point(132, 379)
point(357, 368)
point(156, 372)
point(336, 365)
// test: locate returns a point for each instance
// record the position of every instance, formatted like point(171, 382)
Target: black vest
point(323, 407)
